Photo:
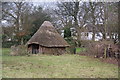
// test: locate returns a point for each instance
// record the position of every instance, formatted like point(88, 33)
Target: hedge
point(8, 44)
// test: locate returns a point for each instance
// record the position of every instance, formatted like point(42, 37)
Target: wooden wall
point(49, 50)
point(53, 50)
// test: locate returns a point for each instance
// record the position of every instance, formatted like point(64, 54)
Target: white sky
point(45, 4)
point(59, 0)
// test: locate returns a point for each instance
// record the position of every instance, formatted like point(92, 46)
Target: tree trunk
point(104, 36)
point(22, 41)
point(78, 34)
point(105, 20)
point(76, 21)
point(119, 22)
point(93, 36)
point(115, 36)
point(110, 35)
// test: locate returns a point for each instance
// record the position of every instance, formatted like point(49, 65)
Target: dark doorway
point(35, 48)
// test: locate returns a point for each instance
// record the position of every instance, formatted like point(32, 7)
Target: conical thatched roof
point(47, 36)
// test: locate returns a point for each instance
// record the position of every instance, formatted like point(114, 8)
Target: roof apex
point(46, 23)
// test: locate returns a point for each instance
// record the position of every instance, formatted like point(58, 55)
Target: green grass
point(80, 49)
point(64, 66)
point(5, 51)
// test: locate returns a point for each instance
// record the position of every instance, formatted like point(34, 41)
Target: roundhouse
point(47, 40)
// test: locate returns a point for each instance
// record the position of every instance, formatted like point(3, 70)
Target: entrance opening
point(35, 48)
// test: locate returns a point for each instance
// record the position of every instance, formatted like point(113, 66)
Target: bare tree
point(17, 14)
point(119, 22)
point(74, 12)
point(93, 7)
point(107, 19)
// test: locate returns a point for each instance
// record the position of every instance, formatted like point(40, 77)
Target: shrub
point(20, 50)
point(102, 49)
point(8, 44)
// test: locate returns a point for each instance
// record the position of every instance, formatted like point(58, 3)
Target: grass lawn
point(64, 66)
point(80, 49)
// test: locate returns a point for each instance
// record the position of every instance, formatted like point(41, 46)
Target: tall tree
point(38, 16)
point(16, 14)
point(74, 12)
point(108, 19)
point(93, 17)
point(119, 22)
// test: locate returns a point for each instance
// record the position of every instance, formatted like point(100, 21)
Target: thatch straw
point(48, 36)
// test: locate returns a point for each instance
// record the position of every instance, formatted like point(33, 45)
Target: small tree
point(67, 32)
point(39, 16)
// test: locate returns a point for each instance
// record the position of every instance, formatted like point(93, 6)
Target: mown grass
point(6, 51)
point(64, 66)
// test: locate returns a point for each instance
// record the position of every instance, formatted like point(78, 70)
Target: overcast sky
point(59, 0)
point(45, 4)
